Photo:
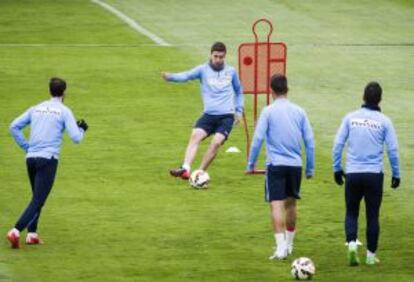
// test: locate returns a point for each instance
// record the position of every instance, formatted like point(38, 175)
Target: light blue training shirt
point(48, 121)
point(365, 131)
point(284, 125)
point(221, 91)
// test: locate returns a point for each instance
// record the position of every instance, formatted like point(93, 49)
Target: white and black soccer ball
point(199, 179)
point(303, 269)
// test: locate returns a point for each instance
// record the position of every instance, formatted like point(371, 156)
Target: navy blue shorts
point(216, 124)
point(282, 182)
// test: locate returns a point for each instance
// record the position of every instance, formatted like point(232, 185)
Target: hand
point(237, 118)
point(339, 177)
point(250, 168)
point(395, 182)
point(82, 124)
point(164, 75)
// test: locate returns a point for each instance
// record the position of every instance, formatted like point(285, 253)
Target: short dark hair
point(57, 87)
point(219, 47)
point(372, 93)
point(279, 84)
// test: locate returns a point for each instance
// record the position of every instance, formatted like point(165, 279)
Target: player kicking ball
point(365, 131)
point(284, 126)
point(222, 96)
point(48, 121)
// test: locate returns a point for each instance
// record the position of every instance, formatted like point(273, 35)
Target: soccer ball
point(303, 269)
point(199, 179)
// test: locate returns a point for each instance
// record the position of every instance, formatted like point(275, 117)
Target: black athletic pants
point(368, 186)
point(42, 174)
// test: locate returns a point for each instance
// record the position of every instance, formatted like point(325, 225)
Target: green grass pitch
point(116, 215)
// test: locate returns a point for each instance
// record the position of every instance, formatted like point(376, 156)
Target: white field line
point(132, 23)
point(95, 45)
point(57, 45)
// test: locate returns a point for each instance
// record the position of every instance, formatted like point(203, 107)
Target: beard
point(216, 66)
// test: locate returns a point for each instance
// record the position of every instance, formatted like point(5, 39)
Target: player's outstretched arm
point(16, 129)
point(195, 73)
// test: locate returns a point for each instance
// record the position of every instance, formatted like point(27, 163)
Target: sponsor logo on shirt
point(48, 111)
point(366, 123)
point(219, 82)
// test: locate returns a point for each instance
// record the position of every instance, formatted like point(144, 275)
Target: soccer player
point(222, 96)
point(284, 126)
point(365, 131)
point(47, 121)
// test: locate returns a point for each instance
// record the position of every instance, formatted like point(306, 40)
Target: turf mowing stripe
point(132, 23)
point(123, 45)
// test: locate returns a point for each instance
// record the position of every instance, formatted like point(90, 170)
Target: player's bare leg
point(212, 150)
point(290, 207)
point(278, 222)
point(276, 213)
point(197, 135)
